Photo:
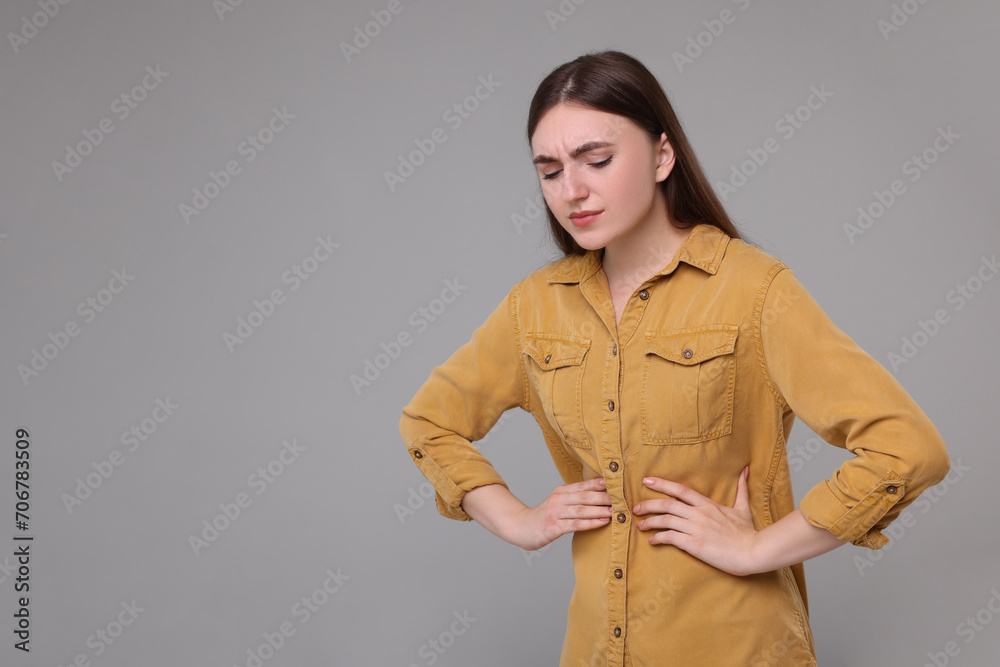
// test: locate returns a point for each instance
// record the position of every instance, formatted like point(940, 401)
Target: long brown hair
point(617, 83)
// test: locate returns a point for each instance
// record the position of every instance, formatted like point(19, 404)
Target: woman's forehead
point(566, 127)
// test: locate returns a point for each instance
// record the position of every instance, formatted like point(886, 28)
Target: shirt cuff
point(859, 524)
point(451, 486)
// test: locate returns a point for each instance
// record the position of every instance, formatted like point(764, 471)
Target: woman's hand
point(721, 536)
point(569, 508)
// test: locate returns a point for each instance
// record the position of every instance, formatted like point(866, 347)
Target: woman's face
point(599, 173)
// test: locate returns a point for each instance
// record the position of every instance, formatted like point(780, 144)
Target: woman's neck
point(630, 260)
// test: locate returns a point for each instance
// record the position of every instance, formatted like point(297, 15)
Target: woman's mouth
point(583, 218)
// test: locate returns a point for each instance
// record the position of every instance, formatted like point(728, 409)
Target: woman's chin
point(589, 240)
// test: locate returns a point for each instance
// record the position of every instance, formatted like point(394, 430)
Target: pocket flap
point(693, 346)
point(556, 350)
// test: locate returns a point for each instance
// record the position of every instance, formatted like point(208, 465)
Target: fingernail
point(647, 480)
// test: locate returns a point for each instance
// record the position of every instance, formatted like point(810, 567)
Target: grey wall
point(327, 517)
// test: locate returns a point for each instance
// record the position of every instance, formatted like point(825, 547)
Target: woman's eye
point(599, 165)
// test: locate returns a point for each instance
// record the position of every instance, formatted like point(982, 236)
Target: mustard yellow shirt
point(714, 357)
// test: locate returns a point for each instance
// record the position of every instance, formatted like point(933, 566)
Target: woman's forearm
point(495, 507)
point(790, 540)
point(569, 508)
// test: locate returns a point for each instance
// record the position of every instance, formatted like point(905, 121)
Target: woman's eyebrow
point(579, 150)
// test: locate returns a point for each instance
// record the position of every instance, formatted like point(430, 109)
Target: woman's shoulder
point(563, 270)
point(747, 259)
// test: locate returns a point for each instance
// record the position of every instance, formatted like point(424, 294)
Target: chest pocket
point(688, 383)
point(556, 374)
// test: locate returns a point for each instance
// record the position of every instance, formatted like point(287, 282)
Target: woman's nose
point(573, 186)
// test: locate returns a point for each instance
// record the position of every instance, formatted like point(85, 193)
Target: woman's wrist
point(495, 508)
point(790, 540)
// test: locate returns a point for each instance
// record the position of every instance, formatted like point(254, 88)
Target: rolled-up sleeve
point(851, 401)
point(460, 402)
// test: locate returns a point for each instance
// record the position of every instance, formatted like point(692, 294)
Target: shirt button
point(618, 632)
point(614, 350)
point(688, 353)
point(418, 454)
point(621, 517)
point(891, 489)
point(611, 406)
point(614, 466)
point(548, 357)
point(644, 294)
point(618, 573)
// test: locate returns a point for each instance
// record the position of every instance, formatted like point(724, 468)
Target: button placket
point(610, 454)
point(611, 450)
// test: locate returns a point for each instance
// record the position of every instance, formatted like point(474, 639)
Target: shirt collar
point(703, 248)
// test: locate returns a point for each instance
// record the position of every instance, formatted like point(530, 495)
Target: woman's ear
point(665, 158)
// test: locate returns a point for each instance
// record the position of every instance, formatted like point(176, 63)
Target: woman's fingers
point(742, 494)
point(589, 498)
point(587, 524)
point(665, 522)
point(588, 492)
point(594, 484)
point(664, 506)
point(676, 489)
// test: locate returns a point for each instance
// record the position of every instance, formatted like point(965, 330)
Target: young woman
point(665, 359)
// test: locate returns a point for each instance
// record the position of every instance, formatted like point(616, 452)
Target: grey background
point(337, 505)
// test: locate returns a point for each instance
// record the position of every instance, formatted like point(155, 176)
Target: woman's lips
point(584, 218)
